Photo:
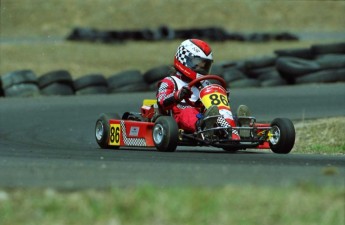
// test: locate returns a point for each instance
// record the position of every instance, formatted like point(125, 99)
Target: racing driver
point(192, 60)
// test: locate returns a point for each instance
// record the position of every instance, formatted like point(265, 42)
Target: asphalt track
point(49, 142)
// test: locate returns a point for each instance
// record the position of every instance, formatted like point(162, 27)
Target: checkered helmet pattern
point(182, 54)
point(193, 56)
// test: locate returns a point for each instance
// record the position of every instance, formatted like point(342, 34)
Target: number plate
point(215, 99)
point(115, 132)
point(214, 95)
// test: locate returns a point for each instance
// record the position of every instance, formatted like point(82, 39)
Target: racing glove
point(184, 92)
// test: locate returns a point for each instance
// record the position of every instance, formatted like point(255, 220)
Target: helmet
point(193, 57)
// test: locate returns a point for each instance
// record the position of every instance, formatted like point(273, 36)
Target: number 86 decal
point(216, 101)
point(114, 134)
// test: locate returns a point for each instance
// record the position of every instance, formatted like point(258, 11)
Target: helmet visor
point(199, 65)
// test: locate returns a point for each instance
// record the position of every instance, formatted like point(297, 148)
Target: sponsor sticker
point(134, 131)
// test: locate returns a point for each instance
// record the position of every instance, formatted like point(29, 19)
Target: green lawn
point(302, 204)
point(322, 136)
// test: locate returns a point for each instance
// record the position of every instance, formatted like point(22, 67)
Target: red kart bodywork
point(130, 133)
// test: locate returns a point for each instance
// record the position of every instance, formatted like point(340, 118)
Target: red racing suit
point(184, 114)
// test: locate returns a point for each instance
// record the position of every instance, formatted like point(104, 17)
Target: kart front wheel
point(281, 136)
point(165, 134)
point(102, 129)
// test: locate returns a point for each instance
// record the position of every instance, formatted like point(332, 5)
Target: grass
point(153, 205)
point(321, 136)
point(301, 204)
point(57, 17)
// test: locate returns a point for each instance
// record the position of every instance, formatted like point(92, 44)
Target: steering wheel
point(206, 77)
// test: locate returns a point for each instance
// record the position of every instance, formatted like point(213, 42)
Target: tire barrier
point(317, 64)
point(21, 83)
point(166, 33)
point(91, 84)
point(57, 82)
point(127, 81)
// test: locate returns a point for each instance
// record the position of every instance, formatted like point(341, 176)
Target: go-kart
point(153, 127)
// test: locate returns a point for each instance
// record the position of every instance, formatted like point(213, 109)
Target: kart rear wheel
point(102, 129)
point(165, 134)
point(282, 136)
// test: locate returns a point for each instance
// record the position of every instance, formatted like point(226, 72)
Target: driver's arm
point(166, 93)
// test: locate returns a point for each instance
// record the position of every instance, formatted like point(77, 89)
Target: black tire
point(157, 73)
point(291, 68)
point(89, 81)
point(85, 34)
point(150, 35)
point(116, 36)
point(102, 129)
point(228, 65)
point(269, 74)
point(165, 134)
point(331, 61)
point(296, 67)
point(125, 78)
point(1, 90)
point(217, 69)
point(328, 48)
point(215, 34)
point(258, 37)
point(324, 76)
point(22, 90)
point(283, 136)
point(232, 74)
point(259, 62)
point(136, 87)
point(231, 64)
point(245, 83)
point(184, 34)
point(256, 73)
point(18, 77)
point(61, 76)
point(304, 53)
point(285, 36)
point(57, 89)
point(278, 81)
point(93, 90)
point(166, 33)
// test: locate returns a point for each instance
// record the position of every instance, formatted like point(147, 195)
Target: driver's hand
point(183, 93)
